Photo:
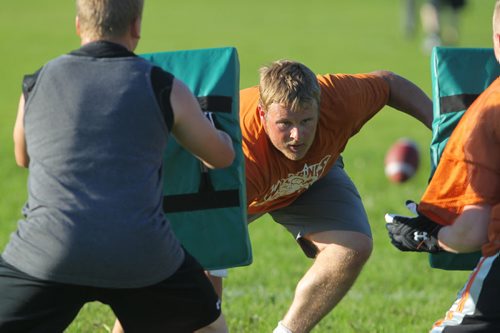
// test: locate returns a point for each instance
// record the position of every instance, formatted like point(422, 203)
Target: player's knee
point(363, 250)
point(353, 254)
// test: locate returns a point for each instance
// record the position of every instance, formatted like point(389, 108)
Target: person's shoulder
point(249, 119)
point(333, 79)
point(159, 76)
point(495, 85)
point(249, 98)
point(29, 81)
point(338, 77)
point(249, 92)
point(325, 78)
point(488, 103)
point(491, 95)
point(347, 82)
point(334, 84)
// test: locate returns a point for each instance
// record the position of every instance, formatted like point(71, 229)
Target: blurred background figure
point(440, 21)
point(409, 18)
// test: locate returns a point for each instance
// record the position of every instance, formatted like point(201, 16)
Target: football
point(402, 160)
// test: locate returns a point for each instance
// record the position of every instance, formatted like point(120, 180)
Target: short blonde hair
point(107, 18)
point(289, 83)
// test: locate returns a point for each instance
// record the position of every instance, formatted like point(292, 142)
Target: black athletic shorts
point(475, 309)
point(184, 302)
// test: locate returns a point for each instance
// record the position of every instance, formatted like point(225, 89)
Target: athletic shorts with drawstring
point(331, 204)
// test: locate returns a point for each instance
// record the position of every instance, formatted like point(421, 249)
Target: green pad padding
point(459, 76)
point(207, 208)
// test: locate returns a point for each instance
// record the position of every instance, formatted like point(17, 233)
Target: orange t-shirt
point(469, 169)
point(273, 181)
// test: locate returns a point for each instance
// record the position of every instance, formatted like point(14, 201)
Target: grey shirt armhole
point(162, 82)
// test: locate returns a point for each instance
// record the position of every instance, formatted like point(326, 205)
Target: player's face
point(291, 132)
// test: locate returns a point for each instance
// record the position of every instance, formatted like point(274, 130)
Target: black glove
point(417, 233)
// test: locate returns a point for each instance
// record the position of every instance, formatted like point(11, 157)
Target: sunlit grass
point(396, 292)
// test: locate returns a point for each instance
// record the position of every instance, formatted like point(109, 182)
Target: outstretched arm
point(405, 96)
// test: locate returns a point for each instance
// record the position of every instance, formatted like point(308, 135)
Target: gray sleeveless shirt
point(96, 137)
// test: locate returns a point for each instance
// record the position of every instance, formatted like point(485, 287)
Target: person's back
point(92, 128)
point(460, 209)
point(468, 172)
point(95, 136)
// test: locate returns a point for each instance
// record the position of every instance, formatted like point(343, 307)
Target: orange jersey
point(493, 245)
point(469, 169)
point(273, 181)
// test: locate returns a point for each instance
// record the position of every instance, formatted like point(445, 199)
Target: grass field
point(396, 292)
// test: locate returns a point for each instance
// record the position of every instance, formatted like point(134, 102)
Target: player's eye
point(284, 124)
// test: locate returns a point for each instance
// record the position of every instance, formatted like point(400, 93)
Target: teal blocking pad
point(207, 208)
point(459, 75)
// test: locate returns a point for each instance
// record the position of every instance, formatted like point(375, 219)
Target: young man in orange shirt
point(295, 125)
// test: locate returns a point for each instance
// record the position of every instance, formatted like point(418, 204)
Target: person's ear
point(136, 28)
point(496, 45)
point(261, 112)
point(77, 25)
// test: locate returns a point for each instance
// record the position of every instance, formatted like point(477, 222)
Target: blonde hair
point(289, 83)
point(107, 18)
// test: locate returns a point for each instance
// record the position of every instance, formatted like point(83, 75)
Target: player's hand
point(416, 233)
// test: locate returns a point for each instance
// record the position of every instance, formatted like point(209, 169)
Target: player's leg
point(31, 305)
point(476, 307)
point(216, 277)
point(184, 302)
point(330, 224)
point(341, 256)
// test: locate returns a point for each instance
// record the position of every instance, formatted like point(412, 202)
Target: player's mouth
point(295, 147)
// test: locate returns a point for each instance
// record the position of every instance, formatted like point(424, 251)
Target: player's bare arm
point(20, 151)
point(195, 132)
point(469, 231)
point(407, 97)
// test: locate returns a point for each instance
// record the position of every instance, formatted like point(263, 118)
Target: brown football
point(402, 160)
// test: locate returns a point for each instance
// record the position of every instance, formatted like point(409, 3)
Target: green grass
point(396, 292)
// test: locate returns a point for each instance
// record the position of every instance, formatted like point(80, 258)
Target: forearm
point(408, 98)
point(493, 245)
point(225, 139)
point(469, 231)
point(20, 149)
point(456, 242)
point(196, 133)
